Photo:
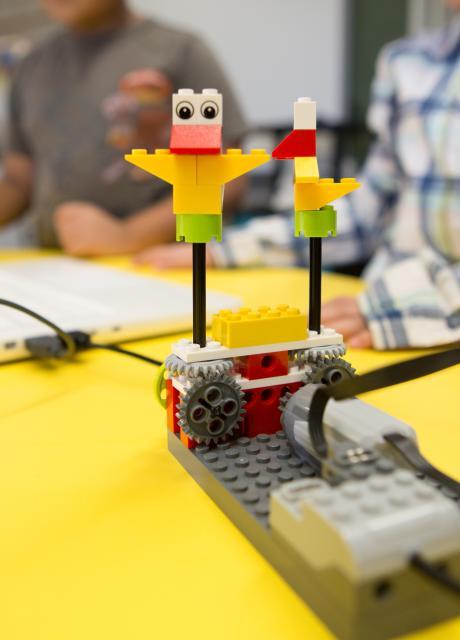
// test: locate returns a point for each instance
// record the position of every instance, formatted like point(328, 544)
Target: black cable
point(67, 339)
point(378, 379)
point(409, 450)
point(435, 572)
point(126, 352)
point(65, 343)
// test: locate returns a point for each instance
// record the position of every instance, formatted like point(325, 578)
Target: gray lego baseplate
point(240, 477)
point(251, 468)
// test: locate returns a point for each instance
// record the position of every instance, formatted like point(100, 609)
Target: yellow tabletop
point(103, 535)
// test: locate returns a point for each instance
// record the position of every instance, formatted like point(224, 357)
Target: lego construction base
point(239, 479)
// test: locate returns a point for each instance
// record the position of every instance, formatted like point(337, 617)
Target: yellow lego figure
point(312, 194)
point(314, 217)
point(195, 165)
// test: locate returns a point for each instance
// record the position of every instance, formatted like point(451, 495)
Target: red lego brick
point(172, 399)
point(196, 139)
point(297, 144)
point(262, 408)
point(263, 365)
point(186, 441)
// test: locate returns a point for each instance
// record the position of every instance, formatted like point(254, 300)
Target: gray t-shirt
point(56, 114)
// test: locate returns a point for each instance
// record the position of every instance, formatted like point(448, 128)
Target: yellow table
point(104, 536)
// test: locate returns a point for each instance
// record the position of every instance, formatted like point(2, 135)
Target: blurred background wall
point(276, 51)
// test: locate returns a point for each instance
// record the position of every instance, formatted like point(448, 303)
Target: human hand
point(343, 314)
point(139, 113)
point(170, 256)
point(85, 229)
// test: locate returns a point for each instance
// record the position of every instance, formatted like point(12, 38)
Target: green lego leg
point(319, 223)
point(196, 227)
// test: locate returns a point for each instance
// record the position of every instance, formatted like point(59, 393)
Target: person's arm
point(414, 303)
point(153, 225)
point(16, 166)
point(15, 186)
point(84, 229)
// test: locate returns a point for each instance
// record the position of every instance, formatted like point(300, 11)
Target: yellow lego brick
point(246, 327)
point(306, 169)
point(223, 168)
point(309, 196)
point(170, 167)
point(197, 199)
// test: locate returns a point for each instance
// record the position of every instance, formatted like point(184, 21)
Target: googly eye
point(209, 110)
point(184, 110)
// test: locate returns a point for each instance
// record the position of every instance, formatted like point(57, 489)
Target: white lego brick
point(366, 529)
point(295, 376)
point(181, 383)
point(197, 102)
point(304, 114)
point(190, 352)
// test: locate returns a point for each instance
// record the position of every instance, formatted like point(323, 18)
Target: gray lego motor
point(355, 432)
point(211, 408)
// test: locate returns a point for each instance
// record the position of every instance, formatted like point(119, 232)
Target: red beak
point(195, 139)
point(297, 144)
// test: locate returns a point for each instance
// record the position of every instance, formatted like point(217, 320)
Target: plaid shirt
point(407, 212)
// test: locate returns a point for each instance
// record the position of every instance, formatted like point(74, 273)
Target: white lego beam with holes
point(190, 352)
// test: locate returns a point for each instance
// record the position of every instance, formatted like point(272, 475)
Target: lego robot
point(341, 523)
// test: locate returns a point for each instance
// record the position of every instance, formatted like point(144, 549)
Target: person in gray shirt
point(71, 120)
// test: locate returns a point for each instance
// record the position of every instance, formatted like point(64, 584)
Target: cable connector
point(43, 347)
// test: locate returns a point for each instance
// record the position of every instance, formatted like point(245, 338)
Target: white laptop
point(111, 304)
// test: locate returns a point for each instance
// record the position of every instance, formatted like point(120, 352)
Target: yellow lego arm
point(225, 167)
point(165, 165)
point(308, 196)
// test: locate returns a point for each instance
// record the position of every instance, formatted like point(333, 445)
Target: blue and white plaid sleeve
point(361, 215)
point(414, 303)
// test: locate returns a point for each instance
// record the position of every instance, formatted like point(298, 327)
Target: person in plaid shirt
point(405, 217)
